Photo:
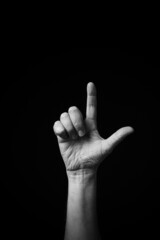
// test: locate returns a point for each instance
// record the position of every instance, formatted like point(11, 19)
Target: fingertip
point(91, 88)
point(81, 133)
point(90, 84)
point(130, 129)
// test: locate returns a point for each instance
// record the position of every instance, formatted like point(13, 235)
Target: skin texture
point(85, 151)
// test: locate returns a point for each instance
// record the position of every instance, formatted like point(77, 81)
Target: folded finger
point(67, 124)
point(77, 120)
point(59, 130)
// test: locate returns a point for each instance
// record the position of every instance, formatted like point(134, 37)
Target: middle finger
point(77, 120)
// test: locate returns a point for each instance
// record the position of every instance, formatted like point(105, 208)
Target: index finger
point(91, 108)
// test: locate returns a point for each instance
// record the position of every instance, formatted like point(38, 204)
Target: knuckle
point(55, 124)
point(73, 108)
point(63, 115)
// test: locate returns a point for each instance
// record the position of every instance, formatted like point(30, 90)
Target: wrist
point(81, 175)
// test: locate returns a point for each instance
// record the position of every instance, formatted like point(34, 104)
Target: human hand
point(85, 150)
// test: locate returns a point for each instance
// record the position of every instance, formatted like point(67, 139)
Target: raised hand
point(80, 143)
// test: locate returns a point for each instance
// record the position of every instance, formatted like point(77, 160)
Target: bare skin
point(83, 150)
point(89, 150)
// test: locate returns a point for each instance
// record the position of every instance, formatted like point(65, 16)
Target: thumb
point(110, 143)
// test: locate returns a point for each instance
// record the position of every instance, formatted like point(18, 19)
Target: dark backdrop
point(38, 87)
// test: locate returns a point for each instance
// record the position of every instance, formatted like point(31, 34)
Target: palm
point(85, 152)
point(90, 150)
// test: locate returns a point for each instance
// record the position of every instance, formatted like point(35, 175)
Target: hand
point(80, 143)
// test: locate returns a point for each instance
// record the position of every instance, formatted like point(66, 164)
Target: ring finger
point(67, 123)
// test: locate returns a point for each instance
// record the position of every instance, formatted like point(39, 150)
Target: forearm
point(81, 219)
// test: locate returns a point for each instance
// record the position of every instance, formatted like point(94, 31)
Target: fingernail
point(81, 133)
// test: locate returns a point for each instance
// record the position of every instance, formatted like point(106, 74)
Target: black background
point(37, 87)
